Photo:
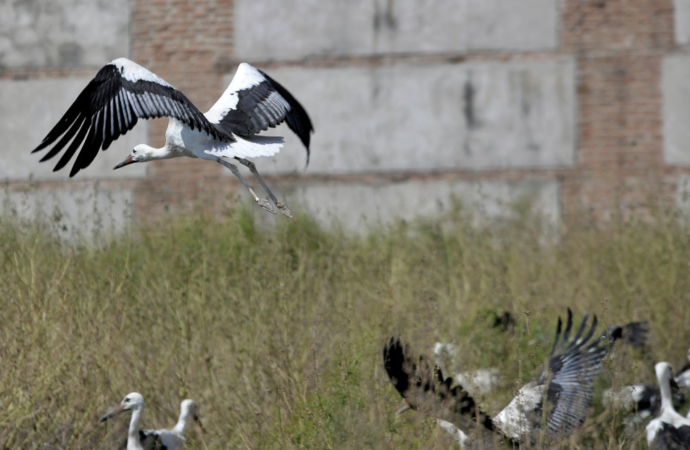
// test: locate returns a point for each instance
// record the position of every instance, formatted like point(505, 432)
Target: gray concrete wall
point(473, 116)
point(81, 211)
point(50, 33)
point(292, 29)
point(676, 109)
point(682, 21)
point(355, 206)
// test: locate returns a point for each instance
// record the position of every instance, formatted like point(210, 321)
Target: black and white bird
point(565, 389)
point(483, 381)
point(132, 402)
point(123, 92)
point(172, 439)
point(669, 430)
point(643, 401)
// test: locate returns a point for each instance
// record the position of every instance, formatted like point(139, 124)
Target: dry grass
point(277, 333)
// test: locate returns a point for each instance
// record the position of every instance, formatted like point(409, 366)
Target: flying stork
point(561, 395)
point(670, 430)
point(172, 439)
point(123, 92)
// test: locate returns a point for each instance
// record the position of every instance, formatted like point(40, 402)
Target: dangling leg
point(259, 201)
point(252, 168)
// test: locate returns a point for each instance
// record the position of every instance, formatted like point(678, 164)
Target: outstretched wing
point(121, 93)
point(255, 102)
point(573, 365)
point(565, 390)
point(427, 390)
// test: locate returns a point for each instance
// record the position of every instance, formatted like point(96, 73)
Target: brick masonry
point(578, 103)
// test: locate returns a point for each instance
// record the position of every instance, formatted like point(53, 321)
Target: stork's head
point(131, 402)
point(190, 409)
point(140, 153)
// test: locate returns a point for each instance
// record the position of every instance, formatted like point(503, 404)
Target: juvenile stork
point(561, 395)
point(670, 430)
point(132, 402)
point(172, 439)
point(123, 92)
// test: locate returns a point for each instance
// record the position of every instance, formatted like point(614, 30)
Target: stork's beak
point(112, 413)
point(198, 422)
point(402, 410)
point(129, 160)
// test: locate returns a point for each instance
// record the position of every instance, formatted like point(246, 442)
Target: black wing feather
point(259, 108)
point(111, 105)
point(426, 389)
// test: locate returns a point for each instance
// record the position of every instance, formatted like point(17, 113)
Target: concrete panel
point(676, 109)
point(473, 116)
point(288, 29)
point(29, 110)
point(358, 205)
point(682, 21)
point(72, 212)
point(48, 33)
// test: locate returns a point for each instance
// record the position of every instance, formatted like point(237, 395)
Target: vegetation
point(277, 331)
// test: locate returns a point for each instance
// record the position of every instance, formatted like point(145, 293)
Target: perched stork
point(132, 402)
point(123, 92)
point(562, 394)
point(644, 400)
point(669, 430)
point(172, 439)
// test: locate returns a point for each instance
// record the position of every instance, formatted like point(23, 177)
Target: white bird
point(172, 439)
point(669, 430)
point(123, 92)
point(132, 402)
point(565, 389)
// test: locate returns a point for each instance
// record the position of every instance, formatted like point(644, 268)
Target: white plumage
point(669, 430)
point(123, 92)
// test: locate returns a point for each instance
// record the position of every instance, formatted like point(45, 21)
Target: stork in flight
point(123, 92)
point(555, 402)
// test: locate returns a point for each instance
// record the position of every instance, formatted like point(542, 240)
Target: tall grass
point(277, 332)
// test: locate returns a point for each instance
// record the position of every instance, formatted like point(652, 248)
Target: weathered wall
point(575, 103)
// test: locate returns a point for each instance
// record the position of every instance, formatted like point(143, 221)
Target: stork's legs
point(259, 201)
point(252, 168)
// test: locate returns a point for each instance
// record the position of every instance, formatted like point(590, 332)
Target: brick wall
point(577, 103)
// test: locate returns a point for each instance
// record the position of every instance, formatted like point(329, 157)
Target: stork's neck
point(666, 396)
point(164, 152)
point(181, 424)
point(133, 442)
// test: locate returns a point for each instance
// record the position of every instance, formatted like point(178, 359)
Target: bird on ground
point(483, 381)
point(172, 439)
point(132, 402)
point(670, 430)
point(562, 393)
point(122, 92)
point(643, 401)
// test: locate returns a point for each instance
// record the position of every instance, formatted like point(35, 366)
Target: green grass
point(277, 332)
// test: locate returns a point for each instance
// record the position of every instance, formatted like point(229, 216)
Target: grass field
point(277, 332)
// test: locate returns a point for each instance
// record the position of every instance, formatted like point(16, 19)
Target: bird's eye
point(134, 152)
point(127, 400)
